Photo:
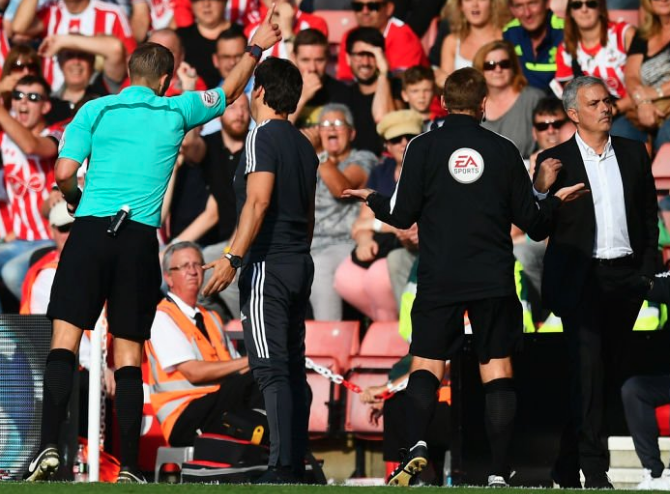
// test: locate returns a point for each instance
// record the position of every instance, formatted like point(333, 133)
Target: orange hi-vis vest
point(171, 392)
point(50, 260)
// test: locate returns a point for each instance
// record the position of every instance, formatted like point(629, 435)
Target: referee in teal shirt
point(131, 141)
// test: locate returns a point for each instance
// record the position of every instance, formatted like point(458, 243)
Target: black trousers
point(596, 333)
point(237, 392)
point(641, 395)
point(274, 295)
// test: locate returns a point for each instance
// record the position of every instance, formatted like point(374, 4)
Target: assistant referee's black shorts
point(438, 330)
point(95, 268)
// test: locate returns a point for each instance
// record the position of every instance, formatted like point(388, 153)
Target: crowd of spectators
point(364, 97)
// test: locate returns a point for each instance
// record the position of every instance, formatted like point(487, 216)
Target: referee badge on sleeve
point(210, 98)
point(466, 165)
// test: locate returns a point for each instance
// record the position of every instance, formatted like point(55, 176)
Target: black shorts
point(438, 330)
point(95, 268)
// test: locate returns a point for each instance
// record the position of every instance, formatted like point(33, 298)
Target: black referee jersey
point(277, 147)
point(465, 186)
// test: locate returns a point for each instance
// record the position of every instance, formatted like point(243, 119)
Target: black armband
point(74, 197)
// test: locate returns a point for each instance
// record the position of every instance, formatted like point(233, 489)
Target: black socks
point(421, 401)
point(129, 403)
point(57, 389)
point(500, 410)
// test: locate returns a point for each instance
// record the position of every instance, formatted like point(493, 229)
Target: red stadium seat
point(381, 348)
point(337, 339)
point(660, 168)
point(331, 345)
point(631, 16)
point(339, 22)
point(382, 338)
point(663, 419)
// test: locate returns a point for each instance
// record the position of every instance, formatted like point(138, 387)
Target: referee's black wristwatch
point(235, 261)
point(255, 51)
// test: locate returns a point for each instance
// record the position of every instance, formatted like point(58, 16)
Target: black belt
point(616, 262)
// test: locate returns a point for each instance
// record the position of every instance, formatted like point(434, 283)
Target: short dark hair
point(282, 83)
point(233, 32)
point(464, 90)
point(151, 61)
point(417, 74)
point(548, 106)
point(368, 35)
point(29, 79)
point(309, 37)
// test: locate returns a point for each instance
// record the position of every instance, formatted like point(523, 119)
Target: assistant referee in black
point(275, 183)
point(465, 186)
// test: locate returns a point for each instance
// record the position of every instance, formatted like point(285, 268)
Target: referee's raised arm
point(265, 36)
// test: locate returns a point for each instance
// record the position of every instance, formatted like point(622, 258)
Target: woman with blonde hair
point(510, 100)
point(648, 70)
point(473, 23)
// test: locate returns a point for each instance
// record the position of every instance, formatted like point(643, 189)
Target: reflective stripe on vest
point(649, 317)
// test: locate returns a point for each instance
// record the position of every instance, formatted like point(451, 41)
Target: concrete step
point(625, 478)
point(622, 452)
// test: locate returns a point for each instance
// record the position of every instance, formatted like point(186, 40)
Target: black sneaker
point(130, 476)
point(278, 475)
point(44, 466)
point(411, 465)
point(599, 481)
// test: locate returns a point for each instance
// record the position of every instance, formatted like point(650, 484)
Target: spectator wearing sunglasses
point(21, 60)
point(402, 45)
point(39, 278)
point(510, 100)
point(535, 33)
point(551, 126)
point(593, 45)
point(29, 148)
point(341, 166)
point(362, 279)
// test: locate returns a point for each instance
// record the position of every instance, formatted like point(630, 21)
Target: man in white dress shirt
point(601, 257)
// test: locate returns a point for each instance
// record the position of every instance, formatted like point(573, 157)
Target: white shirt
point(171, 345)
point(612, 240)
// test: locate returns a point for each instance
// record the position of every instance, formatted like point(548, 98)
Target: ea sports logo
point(466, 165)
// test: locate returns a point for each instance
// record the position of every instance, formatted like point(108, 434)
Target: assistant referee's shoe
point(43, 466)
point(411, 465)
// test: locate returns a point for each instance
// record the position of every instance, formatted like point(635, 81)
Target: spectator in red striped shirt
point(290, 20)
point(148, 15)
point(29, 149)
point(88, 17)
point(403, 47)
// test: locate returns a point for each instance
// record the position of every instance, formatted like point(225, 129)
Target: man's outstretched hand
point(222, 276)
point(361, 194)
point(567, 194)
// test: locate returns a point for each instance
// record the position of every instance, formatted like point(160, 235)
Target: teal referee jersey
point(131, 140)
